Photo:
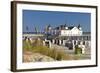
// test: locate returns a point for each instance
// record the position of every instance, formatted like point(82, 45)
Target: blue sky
point(39, 19)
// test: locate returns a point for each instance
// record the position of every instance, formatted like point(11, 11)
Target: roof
point(71, 27)
point(63, 27)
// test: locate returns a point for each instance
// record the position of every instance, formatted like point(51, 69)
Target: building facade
point(64, 30)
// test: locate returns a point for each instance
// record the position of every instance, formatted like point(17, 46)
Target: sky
point(40, 19)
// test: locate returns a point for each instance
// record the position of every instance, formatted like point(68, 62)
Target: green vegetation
point(78, 50)
point(37, 47)
point(27, 46)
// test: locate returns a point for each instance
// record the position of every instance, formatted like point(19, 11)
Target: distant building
point(64, 30)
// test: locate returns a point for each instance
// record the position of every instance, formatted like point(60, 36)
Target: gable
point(74, 29)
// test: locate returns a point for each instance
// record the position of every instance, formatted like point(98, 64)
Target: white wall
point(73, 32)
point(76, 31)
point(5, 37)
point(65, 33)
